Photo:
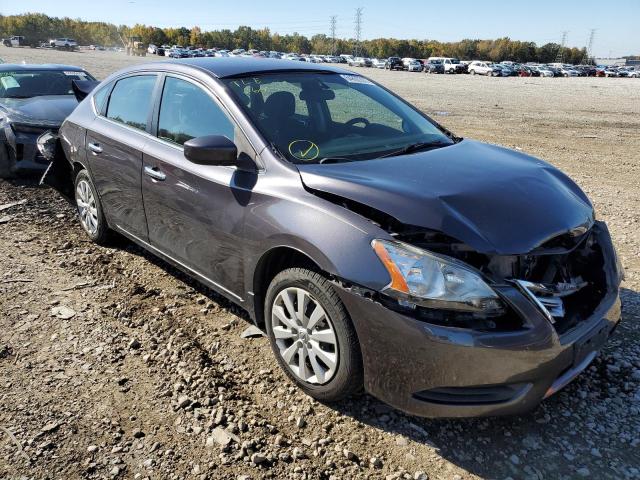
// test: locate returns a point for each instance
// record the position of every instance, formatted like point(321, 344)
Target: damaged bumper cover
point(439, 370)
point(21, 146)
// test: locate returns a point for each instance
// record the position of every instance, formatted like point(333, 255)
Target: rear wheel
point(90, 209)
point(312, 336)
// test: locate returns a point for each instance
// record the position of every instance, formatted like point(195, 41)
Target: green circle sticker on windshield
point(304, 150)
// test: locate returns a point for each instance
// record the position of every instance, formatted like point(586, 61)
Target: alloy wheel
point(87, 207)
point(304, 335)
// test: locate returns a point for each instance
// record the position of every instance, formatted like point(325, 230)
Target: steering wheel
point(353, 121)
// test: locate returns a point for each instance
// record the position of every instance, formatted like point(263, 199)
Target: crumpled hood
point(493, 199)
point(45, 110)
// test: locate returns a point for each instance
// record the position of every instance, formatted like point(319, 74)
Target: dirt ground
point(115, 365)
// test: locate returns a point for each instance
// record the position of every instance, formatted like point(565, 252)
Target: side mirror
point(211, 150)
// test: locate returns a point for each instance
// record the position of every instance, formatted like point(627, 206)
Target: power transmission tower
point(358, 30)
point(560, 55)
point(588, 57)
point(334, 19)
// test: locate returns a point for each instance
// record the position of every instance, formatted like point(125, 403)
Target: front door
point(195, 213)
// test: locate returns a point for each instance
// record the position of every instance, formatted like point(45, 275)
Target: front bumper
point(22, 149)
point(433, 371)
point(441, 371)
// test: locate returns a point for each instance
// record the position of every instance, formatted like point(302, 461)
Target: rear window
point(36, 83)
point(130, 100)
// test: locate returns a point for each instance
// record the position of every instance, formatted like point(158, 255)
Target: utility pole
point(588, 57)
point(560, 55)
point(358, 30)
point(334, 19)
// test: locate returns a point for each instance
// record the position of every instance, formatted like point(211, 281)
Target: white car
point(634, 73)
point(63, 43)
point(378, 62)
point(15, 41)
point(483, 68)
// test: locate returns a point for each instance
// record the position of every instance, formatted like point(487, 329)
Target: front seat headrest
point(280, 105)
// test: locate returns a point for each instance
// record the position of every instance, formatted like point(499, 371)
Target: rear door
point(114, 143)
point(196, 212)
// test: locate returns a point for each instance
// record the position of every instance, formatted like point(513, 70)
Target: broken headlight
point(47, 143)
point(422, 278)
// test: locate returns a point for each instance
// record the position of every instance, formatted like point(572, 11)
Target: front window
point(187, 111)
point(317, 117)
point(36, 83)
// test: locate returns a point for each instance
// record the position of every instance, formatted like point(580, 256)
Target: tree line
point(40, 27)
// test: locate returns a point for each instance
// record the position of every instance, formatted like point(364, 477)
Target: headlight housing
point(434, 281)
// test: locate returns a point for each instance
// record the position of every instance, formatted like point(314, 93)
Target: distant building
point(611, 61)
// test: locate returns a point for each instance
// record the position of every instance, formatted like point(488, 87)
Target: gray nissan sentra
point(379, 251)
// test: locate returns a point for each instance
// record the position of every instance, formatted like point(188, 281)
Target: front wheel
point(312, 336)
point(472, 72)
point(90, 209)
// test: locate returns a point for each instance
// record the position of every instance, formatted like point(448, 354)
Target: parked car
point(543, 70)
point(568, 71)
point(505, 70)
point(433, 66)
point(414, 65)
point(66, 43)
point(445, 276)
point(634, 73)
point(33, 99)
point(378, 63)
point(13, 41)
point(394, 63)
point(360, 62)
point(450, 65)
point(483, 68)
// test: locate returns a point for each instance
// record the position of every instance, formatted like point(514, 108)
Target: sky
point(617, 22)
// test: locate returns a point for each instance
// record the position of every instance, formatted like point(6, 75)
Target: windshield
point(35, 83)
point(314, 117)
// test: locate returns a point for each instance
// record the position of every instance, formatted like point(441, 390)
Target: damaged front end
point(58, 174)
point(566, 278)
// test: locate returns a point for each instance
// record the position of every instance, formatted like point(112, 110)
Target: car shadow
point(569, 435)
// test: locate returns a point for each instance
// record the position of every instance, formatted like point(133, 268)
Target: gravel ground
point(115, 365)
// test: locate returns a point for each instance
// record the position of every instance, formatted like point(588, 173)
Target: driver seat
point(279, 121)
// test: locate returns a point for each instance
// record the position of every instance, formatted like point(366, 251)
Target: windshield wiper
point(18, 96)
point(414, 147)
point(336, 160)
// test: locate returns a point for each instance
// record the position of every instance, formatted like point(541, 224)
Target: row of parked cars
point(430, 65)
point(502, 69)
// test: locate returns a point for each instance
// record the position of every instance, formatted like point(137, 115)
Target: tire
point(90, 209)
point(346, 378)
point(472, 72)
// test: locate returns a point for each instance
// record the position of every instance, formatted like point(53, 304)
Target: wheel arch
point(274, 261)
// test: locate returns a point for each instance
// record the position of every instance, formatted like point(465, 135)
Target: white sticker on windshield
point(9, 82)
point(357, 79)
point(75, 74)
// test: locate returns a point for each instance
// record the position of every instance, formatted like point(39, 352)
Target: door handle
point(154, 173)
point(95, 148)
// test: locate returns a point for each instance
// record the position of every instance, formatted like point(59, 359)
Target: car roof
point(38, 66)
point(226, 67)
